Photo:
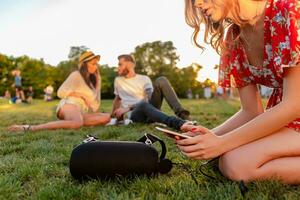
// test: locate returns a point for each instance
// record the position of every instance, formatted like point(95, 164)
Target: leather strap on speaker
point(149, 139)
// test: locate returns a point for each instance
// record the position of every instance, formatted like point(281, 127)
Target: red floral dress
point(281, 49)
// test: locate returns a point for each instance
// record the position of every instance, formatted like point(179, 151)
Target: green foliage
point(39, 75)
point(76, 51)
point(156, 58)
point(160, 59)
point(108, 75)
point(6, 67)
point(65, 68)
point(186, 78)
point(34, 73)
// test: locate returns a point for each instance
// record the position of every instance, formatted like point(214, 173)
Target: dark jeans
point(145, 112)
point(150, 112)
point(164, 90)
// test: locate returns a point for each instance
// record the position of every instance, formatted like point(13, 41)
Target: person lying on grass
point(141, 100)
point(262, 46)
point(80, 99)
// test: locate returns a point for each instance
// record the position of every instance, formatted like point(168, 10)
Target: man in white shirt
point(136, 95)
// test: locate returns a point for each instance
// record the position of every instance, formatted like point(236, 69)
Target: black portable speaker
point(108, 159)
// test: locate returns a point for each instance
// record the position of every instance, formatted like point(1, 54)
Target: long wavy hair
point(214, 31)
point(92, 80)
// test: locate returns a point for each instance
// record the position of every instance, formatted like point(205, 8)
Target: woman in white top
point(80, 99)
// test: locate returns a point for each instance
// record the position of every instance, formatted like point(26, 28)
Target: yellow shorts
point(74, 101)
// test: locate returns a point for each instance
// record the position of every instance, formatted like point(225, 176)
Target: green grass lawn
point(35, 165)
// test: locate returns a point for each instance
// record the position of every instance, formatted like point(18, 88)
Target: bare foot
point(19, 128)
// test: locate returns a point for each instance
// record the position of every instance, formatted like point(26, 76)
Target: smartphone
point(173, 134)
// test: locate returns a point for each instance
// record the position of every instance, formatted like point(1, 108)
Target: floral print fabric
point(281, 50)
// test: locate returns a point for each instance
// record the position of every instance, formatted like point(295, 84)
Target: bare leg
point(94, 119)
point(22, 95)
point(17, 93)
point(29, 99)
point(287, 169)
point(274, 156)
point(71, 119)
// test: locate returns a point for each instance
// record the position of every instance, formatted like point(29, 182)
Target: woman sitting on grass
point(262, 46)
point(80, 99)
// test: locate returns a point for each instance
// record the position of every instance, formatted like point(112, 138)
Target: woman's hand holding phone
point(203, 144)
point(193, 130)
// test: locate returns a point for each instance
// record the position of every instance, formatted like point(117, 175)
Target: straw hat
point(86, 56)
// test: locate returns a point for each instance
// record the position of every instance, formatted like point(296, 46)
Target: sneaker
point(184, 114)
point(113, 121)
point(127, 122)
point(194, 122)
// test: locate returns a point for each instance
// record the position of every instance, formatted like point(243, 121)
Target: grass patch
point(35, 165)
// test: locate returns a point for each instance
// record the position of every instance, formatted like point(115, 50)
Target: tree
point(108, 76)
point(65, 68)
point(156, 58)
point(153, 59)
point(34, 73)
point(186, 78)
point(6, 78)
point(76, 51)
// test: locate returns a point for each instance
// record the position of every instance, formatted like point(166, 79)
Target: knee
point(138, 113)
point(161, 81)
point(77, 124)
point(106, 118)
point(141, 105)
point(139, 108)
point(235, 166)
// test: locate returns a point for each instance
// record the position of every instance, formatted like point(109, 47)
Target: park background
point(152, 58)
point(43, 38)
